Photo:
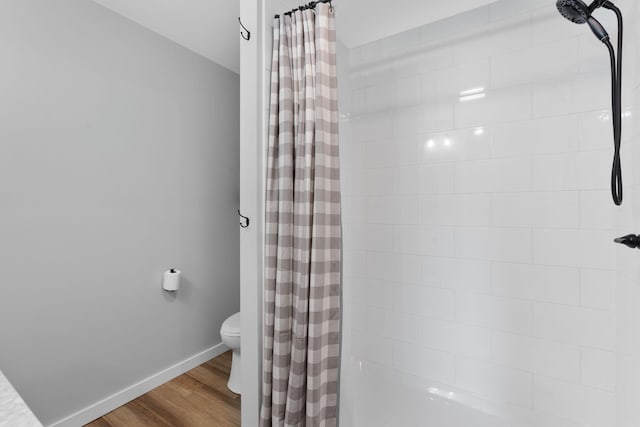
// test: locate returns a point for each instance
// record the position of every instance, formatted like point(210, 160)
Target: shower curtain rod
point(307, 6)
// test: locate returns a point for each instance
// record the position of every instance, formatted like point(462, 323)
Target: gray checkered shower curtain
point(303, 226)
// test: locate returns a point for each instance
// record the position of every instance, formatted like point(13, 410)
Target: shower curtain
point(303, 225)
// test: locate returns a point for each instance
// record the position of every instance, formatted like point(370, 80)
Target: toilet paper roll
point(171, 280)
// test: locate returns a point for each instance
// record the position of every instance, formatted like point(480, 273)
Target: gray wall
point(118, 160)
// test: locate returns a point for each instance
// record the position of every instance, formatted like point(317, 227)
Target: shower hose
point(616, 99)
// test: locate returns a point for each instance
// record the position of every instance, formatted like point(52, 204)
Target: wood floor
point(199, 398)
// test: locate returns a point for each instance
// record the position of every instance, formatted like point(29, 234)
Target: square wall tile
point(511, 33)
point(597, 211)
point(424, 240)
point(473, 48)
point(498, 313)
point(584, 404)
point(495, 244)
point(375, 182)
point(584, 171)
point(598, 289)
point(437, 117)
point(380, 97)
point(459, 209)
point(371, 292)
point(536, 282)
point(542, 357)
point(380, 154)
point(372, 127)
point(436, 178)
point(539, 136)
point(406, 180)
point(540, 209)
point(393, 267)
point(547, 26)
point(403, 209)
point(595, 130)
point(574, 325)
point(542, 62)
point(408, 150)
point(456, 145)
point(423, 362)
point(430, 58)
point(574, 248)
point(429, 302)
point(394, 325)
point(372, 348)
point(455, 338)
point(493, 106)
point(374, 237)
point(459, 274)
point(598, 368)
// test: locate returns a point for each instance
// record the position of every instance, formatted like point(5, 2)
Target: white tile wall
point(480, 227)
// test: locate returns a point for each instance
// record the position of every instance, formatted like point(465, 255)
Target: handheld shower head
point(578, 12)
point(598, 29)
point(575, 11)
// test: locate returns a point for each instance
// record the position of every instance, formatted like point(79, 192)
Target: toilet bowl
point(230, 334)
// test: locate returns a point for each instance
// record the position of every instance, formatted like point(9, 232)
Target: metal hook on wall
point(244, 221)
point(246, 36)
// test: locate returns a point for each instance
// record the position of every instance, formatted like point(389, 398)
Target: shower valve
point(630, 240)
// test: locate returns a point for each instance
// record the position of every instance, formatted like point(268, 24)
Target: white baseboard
point(118, 399)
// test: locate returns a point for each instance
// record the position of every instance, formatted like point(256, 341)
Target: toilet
point(230, 334)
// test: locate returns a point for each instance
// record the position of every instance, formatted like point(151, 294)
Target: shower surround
point(479, 263)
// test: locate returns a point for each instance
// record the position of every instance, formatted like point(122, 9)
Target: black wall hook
point(244, 221)
point(246, 36)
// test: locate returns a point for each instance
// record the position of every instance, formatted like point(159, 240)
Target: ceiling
point(210, 27)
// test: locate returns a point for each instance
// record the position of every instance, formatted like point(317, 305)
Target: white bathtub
point(372, 396)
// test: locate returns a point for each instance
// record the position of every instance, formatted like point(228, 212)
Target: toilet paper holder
point(171, 280)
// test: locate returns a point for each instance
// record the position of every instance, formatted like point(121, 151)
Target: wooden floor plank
point(100, 422)
point(199, 398)
point(198, 387)
point(213, 377)
point(223, 362)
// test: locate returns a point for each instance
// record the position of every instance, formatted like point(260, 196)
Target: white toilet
point(230, 333)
